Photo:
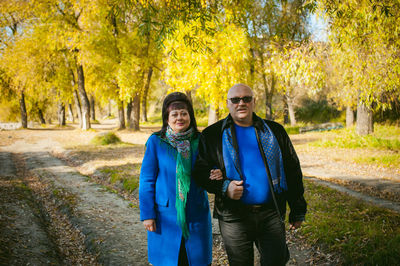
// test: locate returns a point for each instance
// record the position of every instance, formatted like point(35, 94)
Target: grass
point(390, 160)
point(347, 138)
point(155, 120)
point(292, 129)
point(382, 148)
point(106, 139)
point(361, 233)
point(124, 176)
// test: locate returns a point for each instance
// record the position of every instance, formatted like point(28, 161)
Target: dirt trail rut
point(111, 226)
point(21, 219)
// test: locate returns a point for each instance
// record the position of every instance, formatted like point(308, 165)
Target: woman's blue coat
point(157, 192)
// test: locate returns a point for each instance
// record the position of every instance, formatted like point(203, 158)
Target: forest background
point(71, 59)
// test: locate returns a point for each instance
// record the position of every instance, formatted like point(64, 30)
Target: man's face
point(241, 111)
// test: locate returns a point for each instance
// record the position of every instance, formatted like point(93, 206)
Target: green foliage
point(390, 115)
point(360, 233)
point(315, 112)
point(106, 139)
point(120, 175)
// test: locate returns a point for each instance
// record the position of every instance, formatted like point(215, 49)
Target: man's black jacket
point(210, 157)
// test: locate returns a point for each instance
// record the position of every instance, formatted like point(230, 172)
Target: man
point(260, 173)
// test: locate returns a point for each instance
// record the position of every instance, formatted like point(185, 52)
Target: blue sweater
point(255, 179)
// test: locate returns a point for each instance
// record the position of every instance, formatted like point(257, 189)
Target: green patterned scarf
point(184, 144)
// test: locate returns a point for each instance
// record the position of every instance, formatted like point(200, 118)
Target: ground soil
point(57, 208)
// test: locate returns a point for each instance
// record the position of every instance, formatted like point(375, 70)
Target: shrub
point(292, 130)
point(106, 139)
point(316, 111)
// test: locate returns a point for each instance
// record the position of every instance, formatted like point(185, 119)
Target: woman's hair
point(177, 101)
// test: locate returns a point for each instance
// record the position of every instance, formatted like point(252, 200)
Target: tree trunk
point(290, 103)
point(136, 112)
point(364, 124)
point(61, 114)
point(269, 90)
point(92, 112)
point(129, 114)
point(70, 113)
point(109, 109)
point(78, 108)
point(145, 94)
point(84, 99)
point(268, 97)
point(24, 115)
point(285, 111)
point(213, 115)
point(121, 115)
point(349, 116)
point(41, 117)
point(252, 64)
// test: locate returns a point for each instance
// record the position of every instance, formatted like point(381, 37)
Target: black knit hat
point(177, 97)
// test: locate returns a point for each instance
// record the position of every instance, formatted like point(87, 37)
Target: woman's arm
point(203, 171)
point(147, 182)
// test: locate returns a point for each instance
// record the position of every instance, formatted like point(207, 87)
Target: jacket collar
point(258, 122)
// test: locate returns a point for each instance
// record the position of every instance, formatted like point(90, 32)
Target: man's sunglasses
point(245, 99)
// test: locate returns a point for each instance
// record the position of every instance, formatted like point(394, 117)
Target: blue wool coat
point(157, 192)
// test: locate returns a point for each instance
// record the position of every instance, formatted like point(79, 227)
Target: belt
point(258, 207)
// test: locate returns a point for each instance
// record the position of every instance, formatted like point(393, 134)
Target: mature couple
point(247, 162)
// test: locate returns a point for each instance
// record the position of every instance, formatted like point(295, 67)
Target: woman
point(173, 209)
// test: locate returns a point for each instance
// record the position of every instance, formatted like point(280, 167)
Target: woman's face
point(179, 120)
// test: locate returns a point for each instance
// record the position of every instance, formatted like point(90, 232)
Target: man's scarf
point(184, 144)
point(271, 151)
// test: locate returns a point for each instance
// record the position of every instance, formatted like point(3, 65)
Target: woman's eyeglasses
point(245, 99)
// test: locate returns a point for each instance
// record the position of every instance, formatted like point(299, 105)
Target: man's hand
point(235, 189)
point(150, 225)
point(215, 174)
point(295, 225)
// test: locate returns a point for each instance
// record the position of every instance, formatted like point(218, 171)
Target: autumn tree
point(14, 14)
point(299, 69)
point(66, 31)
point(122, 60)
point(212, 71)
point(367, 32)
point(267, 22)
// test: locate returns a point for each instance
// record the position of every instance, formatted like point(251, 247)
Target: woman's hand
point(215, 174)
point(150, 225)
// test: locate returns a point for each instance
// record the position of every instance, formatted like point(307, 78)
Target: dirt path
point(377, 186)
point(103, 227)
point(24, 236)
point(112, 230)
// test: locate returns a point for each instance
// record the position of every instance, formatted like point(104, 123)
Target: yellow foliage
point(212, 71)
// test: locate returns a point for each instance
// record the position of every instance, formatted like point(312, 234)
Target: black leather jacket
point(210, 157)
